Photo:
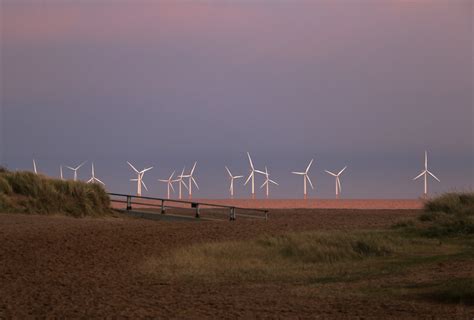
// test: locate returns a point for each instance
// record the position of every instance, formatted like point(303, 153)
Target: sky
point(363, 83)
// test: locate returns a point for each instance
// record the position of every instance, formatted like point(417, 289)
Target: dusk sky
point(367, 84)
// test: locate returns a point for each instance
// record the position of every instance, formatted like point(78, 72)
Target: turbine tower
point(425, 174)
point(169, 183)
point(338, 181)
point(267, 180)
point(93, 179)
point(61, 172)
point(305, 177)
point(180, 182)
point(191, 181)
point(34, 167)
point(139, 178)
point(75, 169)
point(251, 175)
point(232, 181)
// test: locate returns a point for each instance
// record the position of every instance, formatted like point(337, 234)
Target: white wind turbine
point(305, 177)
point(251, 175)
point(93, 179)
point(425, 174)
point(338, 181)
point(61, 172)
point(169, 182)
point(34, 167)
point(139, 178)
point(75, 169)
point(232, 181)
point(180, 182)
point(267, 180)
point(191, 180)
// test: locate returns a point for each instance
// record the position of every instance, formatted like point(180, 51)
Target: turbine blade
point(171, 176)
point(171, 185)
point(309, 165)
point(342, 170)
point(433, 175)
point(237, 177)
point(71, 168)
point(184, 184)
point(143, 183)
point(164, 180)
point(332, 174)
point(273, 182)
point(299, 173)
point(228, 171)
point(422, 173)
point(90, 180)
point(248, 179)
point(261, 172)
point(195, 183)
point(194, 167)
point(426, 160)
point(266, 181)
point(145, 170)
point(250, 160)
point(99, 181)
point(309, 180)
point(81, 165)
point(132, 167)
point(93, 173)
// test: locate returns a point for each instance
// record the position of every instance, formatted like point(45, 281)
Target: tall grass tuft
point(26, 192)
point(451, 214)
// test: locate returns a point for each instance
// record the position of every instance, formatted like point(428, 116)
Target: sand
point(90, 268)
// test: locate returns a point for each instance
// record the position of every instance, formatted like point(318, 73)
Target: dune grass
point(318, 258)
point(309, 257)
point(449, 215)
point(26, 192)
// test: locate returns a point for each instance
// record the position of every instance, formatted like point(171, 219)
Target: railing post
point(162, 206)
point(266, 215)
point(129, 203)
point(232, 213)
point(196, 205)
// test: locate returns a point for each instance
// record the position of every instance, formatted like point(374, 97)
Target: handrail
point(194, 204)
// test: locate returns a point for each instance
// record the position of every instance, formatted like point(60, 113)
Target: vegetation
point(440, 235)
point(26, 192)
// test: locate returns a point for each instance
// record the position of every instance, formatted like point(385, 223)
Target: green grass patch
point(449, 215)
point(26, 192)
point(310, 257)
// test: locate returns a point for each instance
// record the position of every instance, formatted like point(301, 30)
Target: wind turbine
point(338, 181)
point(93, 179)
point(169, 183)
point(61, 172)
point(34, 167)
point(305, 177)
point(232, 182)
point(251, 175)
point(267, 180)
point(180, 182)
point(75, 169)
point(191, 180)
point(425, 174)
point(139, 178)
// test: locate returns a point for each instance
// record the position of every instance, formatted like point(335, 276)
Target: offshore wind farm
point(239, 159)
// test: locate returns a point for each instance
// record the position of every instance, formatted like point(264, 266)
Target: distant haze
point(367, 84)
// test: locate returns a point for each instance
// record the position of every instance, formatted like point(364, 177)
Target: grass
point(309, 257)
point(441, 235)
point(26, 192)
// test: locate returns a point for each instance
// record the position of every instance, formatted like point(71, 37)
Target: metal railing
point(195, 205)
